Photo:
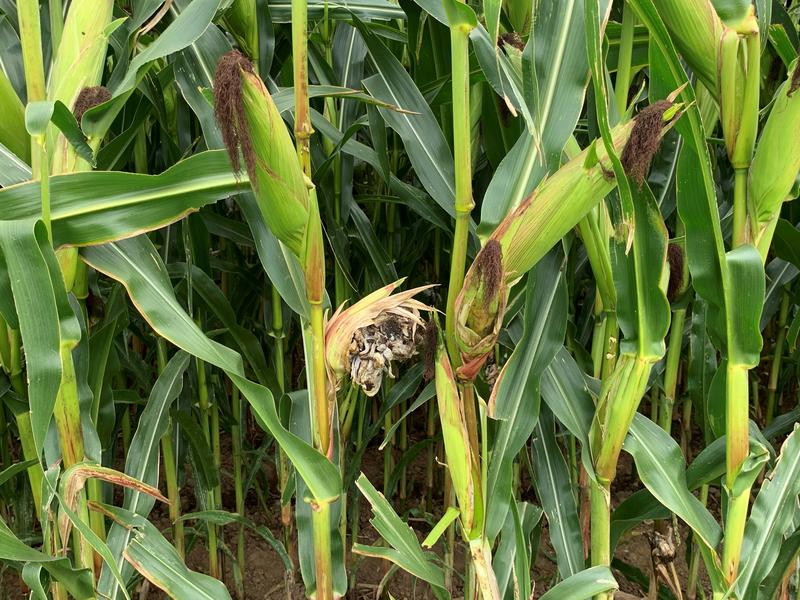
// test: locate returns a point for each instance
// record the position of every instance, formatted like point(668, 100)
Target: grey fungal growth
point(373, 350)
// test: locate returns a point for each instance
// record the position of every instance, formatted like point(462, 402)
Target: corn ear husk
point(776, 163)
point(528, 232)
point(373, 309)
point(277, 180)
point(556, 206)
point(739, 86)
point(461, 463)
point(696, 29)
point(242, 21)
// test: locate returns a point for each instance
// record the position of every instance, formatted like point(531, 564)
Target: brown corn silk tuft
point(229, 109)
point(89, 98)
point(675, 260)
point(644, 141)
point(795, 82)
point(429, 340)
point(489, 268)
point(511, 38)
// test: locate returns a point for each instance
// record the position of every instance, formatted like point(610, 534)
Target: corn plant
point(514, 282)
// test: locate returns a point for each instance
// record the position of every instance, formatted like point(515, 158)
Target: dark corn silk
point(676, 271)
point(644, 141)
point(481, 305)
point(89, 98)
point(229, 109)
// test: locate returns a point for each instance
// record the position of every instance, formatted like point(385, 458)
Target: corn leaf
point(515, 397)
point(424, 141)
point(142, 461)
point(554, 489)
point(136, 264)
point(583, 585)
point(404, 549)
point(300, 425)
point(12, 168)
point(45, 318)
point(156, 559)
point(554, 81)
point(77, 581)
point(770, 518)
point(659, 464)
point(124, 204)
point(787, 556)
point(186, 28)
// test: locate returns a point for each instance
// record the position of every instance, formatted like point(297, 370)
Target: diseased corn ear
point(480, 308)
point(776, 162)
point(695, 28)
point(367, 339)
point(250, 122)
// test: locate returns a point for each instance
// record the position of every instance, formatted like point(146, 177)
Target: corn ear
point(561, 201)
point(78, 64)
point(461, 462)
point(242, 21)
point(528, 233)
point(365, 354)
point(696, 29)
point(776, 162)
point(739, 86)
point(250, 120)
point(479, 310)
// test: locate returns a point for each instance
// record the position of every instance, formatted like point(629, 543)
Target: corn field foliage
point(417, 299)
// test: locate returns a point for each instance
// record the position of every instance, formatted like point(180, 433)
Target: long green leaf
point(773, 512)
point(142, 460)
point(554, 488)
point(136, 264)
point(554, 75)
point(515, 398)
point(659, 464)
point(404, 549)
point(123, 204)
point(425, 144)
point(46, 320)
point(583, 585)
